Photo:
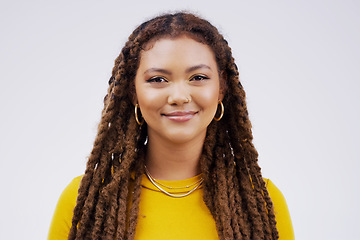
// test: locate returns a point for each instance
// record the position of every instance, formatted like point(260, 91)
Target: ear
point(133, 98)
point(223, 85)
point(132, 94)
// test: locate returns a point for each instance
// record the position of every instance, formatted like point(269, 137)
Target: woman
point(173, 157)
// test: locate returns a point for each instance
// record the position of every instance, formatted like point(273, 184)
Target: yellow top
point(164, 217)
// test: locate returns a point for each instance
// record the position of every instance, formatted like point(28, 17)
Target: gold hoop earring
point(222, 112)
point(136, 115)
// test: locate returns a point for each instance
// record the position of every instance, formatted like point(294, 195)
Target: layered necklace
point(159, 186)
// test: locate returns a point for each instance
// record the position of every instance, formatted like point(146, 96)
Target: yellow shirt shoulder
point(163, 217)
point(61, 221)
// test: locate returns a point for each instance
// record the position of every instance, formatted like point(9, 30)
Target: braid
point(207, 167)
point(222, 207)
point(234, 190)
point(133, 215)
point(237, 222)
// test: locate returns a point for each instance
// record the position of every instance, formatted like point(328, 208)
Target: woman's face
point(177, 88)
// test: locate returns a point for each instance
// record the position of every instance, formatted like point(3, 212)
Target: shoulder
point(274, 192)
point(74, 184)
point(61, 221)
point(282, 215)
point(69, 195)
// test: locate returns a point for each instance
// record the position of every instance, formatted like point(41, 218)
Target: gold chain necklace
point(163, 185)
point(155, 183)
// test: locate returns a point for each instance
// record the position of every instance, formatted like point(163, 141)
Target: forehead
point(181, 50)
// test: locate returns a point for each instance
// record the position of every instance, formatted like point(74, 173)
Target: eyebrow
point(157, 70)
point(188, 70)
point(196, 67)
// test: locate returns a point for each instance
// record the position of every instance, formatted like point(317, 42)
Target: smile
point(180, 116)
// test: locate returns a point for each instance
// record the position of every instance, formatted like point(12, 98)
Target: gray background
point(298, 61)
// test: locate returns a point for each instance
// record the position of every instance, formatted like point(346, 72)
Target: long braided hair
point(234, 190)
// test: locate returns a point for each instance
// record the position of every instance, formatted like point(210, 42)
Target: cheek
point(209, 97)
point(149, 97)
point(142, 93)
point(150, 102)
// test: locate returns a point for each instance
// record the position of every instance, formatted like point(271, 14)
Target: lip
point(180, 116)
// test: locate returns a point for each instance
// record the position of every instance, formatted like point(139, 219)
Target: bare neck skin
point(170, 161)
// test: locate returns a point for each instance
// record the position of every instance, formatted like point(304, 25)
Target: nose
point(179, 94)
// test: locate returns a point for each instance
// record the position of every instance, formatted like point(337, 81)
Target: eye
point(156, 80)
point(198, 78)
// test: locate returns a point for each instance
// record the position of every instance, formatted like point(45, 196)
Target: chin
point(182, 137)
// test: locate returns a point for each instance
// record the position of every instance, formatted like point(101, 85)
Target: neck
point(174, 161)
